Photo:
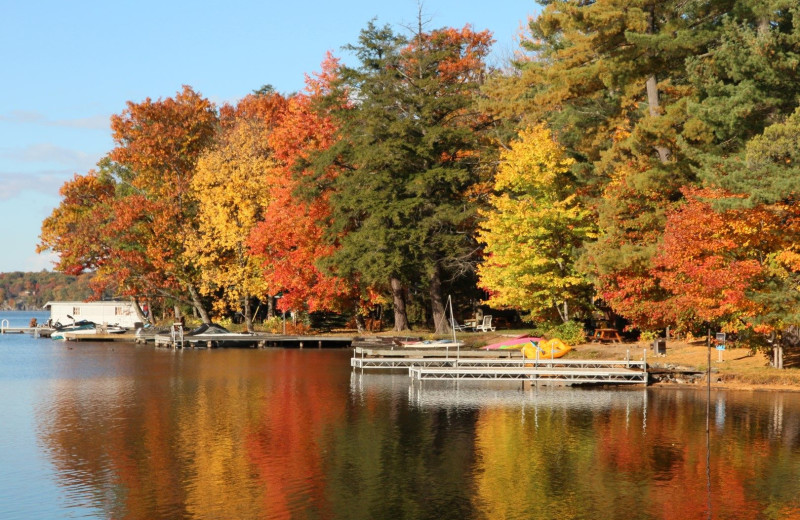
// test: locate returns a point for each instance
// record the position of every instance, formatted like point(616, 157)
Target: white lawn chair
point(486, 325)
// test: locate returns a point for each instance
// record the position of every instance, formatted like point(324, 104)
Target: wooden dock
point(123, 337)
point(38, 332)
point(255, 340)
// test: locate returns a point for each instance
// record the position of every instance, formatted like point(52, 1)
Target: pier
point(483, 365)
point(255, 340)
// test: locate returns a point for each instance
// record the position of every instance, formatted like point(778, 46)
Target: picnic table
point(611, 335)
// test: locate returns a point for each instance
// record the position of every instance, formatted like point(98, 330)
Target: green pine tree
point(408, 151)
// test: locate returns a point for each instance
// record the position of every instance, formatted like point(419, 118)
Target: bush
point(648, 335)
point(571, 332)
point(273, 325)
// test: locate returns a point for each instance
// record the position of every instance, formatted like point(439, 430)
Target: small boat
point(513, 344)
point(434, 344)
point(549, 349)
point(218, 336)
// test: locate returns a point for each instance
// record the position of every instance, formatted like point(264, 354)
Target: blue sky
point(68, 66)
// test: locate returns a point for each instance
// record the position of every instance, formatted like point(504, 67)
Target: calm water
point(121, 431)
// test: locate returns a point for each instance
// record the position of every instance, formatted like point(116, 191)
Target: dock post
point(644, 363)
point(301, 344)
point(320, 344)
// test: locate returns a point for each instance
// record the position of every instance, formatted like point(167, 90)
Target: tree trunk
point(198, 305)
point(360, 323)
point(399, 301)
point(440, 324)
point(563, 311)
point(270, 306)
point(652, 94)
point(777, 356)
point(139, 313)
point(248, 315)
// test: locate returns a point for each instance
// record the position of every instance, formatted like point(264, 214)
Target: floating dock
point(477, 365)
point(534, 374)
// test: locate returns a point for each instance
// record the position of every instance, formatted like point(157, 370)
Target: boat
point(110, 329)
point(550, 349)
point(218, 336)
point(81, 325)
point(513, 344)
point(547, 349)
point(433, 344)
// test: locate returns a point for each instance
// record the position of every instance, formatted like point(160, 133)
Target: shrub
point(571, 332)
point(648, 335)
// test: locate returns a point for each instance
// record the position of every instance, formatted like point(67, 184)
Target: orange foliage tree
point(159, 142)
point(290, 239)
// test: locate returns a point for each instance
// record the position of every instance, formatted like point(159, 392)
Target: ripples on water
point(120, 431)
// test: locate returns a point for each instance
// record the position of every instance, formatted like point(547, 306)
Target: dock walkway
point(478, 365)
point(255, 340)
point(558, 374)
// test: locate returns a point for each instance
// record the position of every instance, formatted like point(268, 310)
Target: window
point(76, 311)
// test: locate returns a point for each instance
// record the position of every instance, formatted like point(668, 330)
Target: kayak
point(513, 343)
point(550, 349)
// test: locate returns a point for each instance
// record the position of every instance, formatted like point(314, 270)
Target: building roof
point(95, 303)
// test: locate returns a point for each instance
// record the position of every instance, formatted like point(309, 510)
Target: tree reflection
point(560, 467)
point(278, 434)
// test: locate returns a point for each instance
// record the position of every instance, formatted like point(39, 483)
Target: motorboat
point(82, 325)
point(218, 336)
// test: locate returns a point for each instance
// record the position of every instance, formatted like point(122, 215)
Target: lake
point(106, 430)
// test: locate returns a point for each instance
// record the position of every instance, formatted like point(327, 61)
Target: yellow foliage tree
point(533, 229)
point(232, 189)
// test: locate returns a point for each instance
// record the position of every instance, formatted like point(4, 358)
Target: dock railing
point(176, 332)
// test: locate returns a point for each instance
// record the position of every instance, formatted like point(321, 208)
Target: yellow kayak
point(550, 349)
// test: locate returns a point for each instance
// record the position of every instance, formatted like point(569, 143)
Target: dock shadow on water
point(132, 432)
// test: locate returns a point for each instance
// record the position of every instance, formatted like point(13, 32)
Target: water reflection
point(137, 433)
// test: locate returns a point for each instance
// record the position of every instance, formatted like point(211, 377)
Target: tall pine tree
point(408, 148)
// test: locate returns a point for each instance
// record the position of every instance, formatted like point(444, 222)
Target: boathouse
point(114, 312)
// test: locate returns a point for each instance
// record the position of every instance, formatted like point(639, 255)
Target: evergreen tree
point(407, 146)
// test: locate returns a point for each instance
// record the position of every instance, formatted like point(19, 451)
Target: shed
point(119, 313)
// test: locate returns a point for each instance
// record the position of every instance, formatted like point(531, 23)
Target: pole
point(453, 326)
point(708, 384)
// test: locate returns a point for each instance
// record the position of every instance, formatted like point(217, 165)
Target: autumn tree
point(408, 147)
point(159, 143)
point(532, 230)
point(610, 78)
point(74, 229)
point(292, 236)
point(232, 189)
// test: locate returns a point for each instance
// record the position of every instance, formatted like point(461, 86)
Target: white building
point(119, 313)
